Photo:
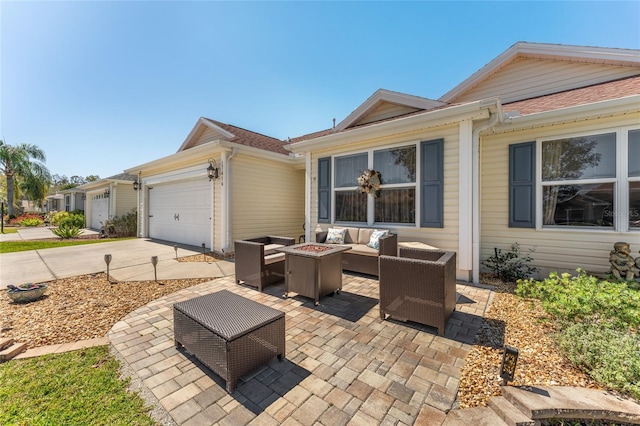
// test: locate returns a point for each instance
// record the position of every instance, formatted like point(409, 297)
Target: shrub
point(585, 298)
point(510, 266)
point(31, 219)
point(610, 357)
point(67, 231)
point(125, 225)
point(74, 219)
point(58, 216)
point(598, 325)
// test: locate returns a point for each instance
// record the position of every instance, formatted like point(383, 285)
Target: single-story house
point(224, 183)
point(539, 147)
point(73, 199)
point(107, 198)
point(54, 203)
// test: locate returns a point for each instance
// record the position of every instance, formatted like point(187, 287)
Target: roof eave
point(611, 107)
point(473, 110)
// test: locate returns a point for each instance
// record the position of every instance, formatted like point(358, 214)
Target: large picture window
point(586, 181)
point(396, 200)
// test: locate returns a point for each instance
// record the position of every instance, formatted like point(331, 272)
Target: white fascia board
point(199, 151)
point(595, 55)
point(470, 111)
point(628, 104)
point(204, 122)
point(261, 153)
point(382, 95)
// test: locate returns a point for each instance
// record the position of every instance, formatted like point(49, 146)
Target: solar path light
point(107, 260)
point(154, 262)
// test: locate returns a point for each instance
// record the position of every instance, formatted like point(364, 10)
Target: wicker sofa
point(418, 285)
point(257, 262)
point(362, 258)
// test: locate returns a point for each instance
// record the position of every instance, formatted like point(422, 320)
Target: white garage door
point(99, 211)
point(180, 212)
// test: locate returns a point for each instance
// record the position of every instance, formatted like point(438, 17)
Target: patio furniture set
point(233, 335)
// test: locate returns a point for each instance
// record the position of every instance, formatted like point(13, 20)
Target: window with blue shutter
point(324, 190)
point(522, 185)
point(432, 184)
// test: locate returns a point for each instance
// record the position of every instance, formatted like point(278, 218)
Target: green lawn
point(74, 388)
point(14, 246)
point(11, 230)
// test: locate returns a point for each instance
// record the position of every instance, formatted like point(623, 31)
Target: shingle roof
point(570, 98)
point(252, 139)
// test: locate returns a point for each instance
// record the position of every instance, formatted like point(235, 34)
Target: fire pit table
point(313, 270)
point(228, 333)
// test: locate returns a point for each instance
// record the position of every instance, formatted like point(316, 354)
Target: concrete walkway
point(131, 261)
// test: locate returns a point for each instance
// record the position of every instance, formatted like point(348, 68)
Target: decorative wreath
point(369, 181)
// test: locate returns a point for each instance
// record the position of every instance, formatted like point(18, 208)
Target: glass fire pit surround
point(313, 270)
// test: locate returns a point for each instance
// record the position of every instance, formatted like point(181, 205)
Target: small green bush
point(510, 266)
point(612, 358)
point(585, 298)
point(126, 225)
point(31, 221)
point(73, 220)
point(67, 231)
point(57, 217)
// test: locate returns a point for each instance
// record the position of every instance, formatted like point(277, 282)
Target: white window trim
point(370, 200)
point(620, 182)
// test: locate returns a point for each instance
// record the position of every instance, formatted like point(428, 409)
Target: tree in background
point(24, 164)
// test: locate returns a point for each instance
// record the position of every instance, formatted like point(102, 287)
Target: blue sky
point(104, 86)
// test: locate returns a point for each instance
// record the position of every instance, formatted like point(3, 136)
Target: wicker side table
point(229, 334)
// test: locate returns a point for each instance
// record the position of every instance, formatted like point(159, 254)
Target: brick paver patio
point(343, 364)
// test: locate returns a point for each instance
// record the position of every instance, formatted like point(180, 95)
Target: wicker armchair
point(256, 261)
point(419, 285)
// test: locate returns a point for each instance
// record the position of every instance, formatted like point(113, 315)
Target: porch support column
point(465, 197)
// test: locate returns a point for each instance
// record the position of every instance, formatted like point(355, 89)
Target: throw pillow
point(374, 241)
point(336, 236)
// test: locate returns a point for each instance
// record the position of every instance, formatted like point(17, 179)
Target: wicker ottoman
point(228, 333)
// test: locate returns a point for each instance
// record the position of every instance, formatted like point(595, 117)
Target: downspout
point(226, 196)
point(494, 119)
point(138, 222)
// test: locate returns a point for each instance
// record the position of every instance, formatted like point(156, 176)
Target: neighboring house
point(54, 203)
point(540, 147)
point(73, 199)
point(259, 189)
point(107, 198)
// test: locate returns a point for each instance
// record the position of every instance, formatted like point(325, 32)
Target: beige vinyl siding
point(267, 198)
point(444, 238)
point(384, 111)
point(207, 135)
point(555, 249)
point(527, 78)
point(126, 199)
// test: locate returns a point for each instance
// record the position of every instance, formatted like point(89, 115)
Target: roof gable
point(385, 104)
point(527, 70)
point(208, 130)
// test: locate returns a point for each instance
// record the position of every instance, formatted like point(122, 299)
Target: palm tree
point(23, 162)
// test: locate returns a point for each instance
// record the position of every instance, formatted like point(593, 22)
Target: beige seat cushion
point(273, 258)
point(271, 248)
point(364, 234)
point(362, 249)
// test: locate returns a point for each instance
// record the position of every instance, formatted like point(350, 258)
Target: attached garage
point(181, 211)
point(99, 210)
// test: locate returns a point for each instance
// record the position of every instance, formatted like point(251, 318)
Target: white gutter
point(475, 140)
point(226, 198)
point(470, 111)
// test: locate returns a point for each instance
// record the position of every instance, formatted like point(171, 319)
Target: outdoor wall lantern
point(508, 367)
point(136, 185)
point(107, 192)
point(212, 171)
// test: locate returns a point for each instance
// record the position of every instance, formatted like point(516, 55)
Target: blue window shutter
point(324, 190)
point(522, 185)
point(432, 184)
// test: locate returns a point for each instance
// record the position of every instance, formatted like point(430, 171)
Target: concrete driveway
point(131, 261)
